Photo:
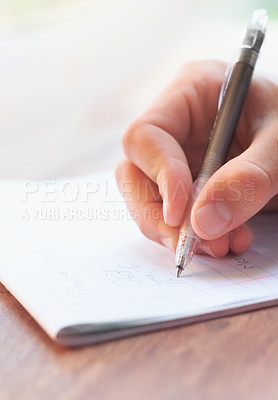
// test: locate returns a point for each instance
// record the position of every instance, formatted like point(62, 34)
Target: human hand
point(164, 150)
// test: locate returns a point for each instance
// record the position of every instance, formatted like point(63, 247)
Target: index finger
point(155, 141)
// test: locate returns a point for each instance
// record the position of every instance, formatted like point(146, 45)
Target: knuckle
point(128, 138)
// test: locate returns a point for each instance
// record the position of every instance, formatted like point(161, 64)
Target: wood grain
point(228, 358)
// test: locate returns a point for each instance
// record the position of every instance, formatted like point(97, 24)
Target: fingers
point(145, 205)
point(161, 158)
point(165, 147)
point(154, 142)
point(188, 104)
point(215, 248)
point(239, 189)
point(241, 239)
point(237, 241)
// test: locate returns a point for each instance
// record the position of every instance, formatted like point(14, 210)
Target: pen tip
point(179, 270)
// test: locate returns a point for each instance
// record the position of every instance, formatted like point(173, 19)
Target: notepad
point(75, 259)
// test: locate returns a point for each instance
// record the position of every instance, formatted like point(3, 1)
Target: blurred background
point(74, 73)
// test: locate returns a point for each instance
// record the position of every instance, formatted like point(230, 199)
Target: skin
point(164, 149)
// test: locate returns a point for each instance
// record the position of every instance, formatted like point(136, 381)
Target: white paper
point(74, 260)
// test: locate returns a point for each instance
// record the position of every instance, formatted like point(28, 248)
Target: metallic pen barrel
point(186, 249)
point(188, 240)
point(231, 100)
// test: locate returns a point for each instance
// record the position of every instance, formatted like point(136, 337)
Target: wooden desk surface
point(228, 358)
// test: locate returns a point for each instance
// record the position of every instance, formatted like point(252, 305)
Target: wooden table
point(227, 358)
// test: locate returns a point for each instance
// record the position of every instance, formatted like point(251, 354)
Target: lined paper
point(95, 269)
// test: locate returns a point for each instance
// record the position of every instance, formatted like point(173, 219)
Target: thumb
point(239, 189)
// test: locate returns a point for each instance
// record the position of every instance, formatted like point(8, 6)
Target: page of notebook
point(75, 260)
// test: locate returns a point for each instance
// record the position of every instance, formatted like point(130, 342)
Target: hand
point(164, 149)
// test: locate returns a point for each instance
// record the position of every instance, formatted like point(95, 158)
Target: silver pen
point(231, 100)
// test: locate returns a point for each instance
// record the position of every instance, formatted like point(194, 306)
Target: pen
point(231, 100)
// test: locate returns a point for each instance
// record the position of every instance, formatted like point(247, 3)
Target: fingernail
point(164, 209)
point(168, 242)
point(213, 218)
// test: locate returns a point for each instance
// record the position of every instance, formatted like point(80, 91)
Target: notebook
point(75, 259)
